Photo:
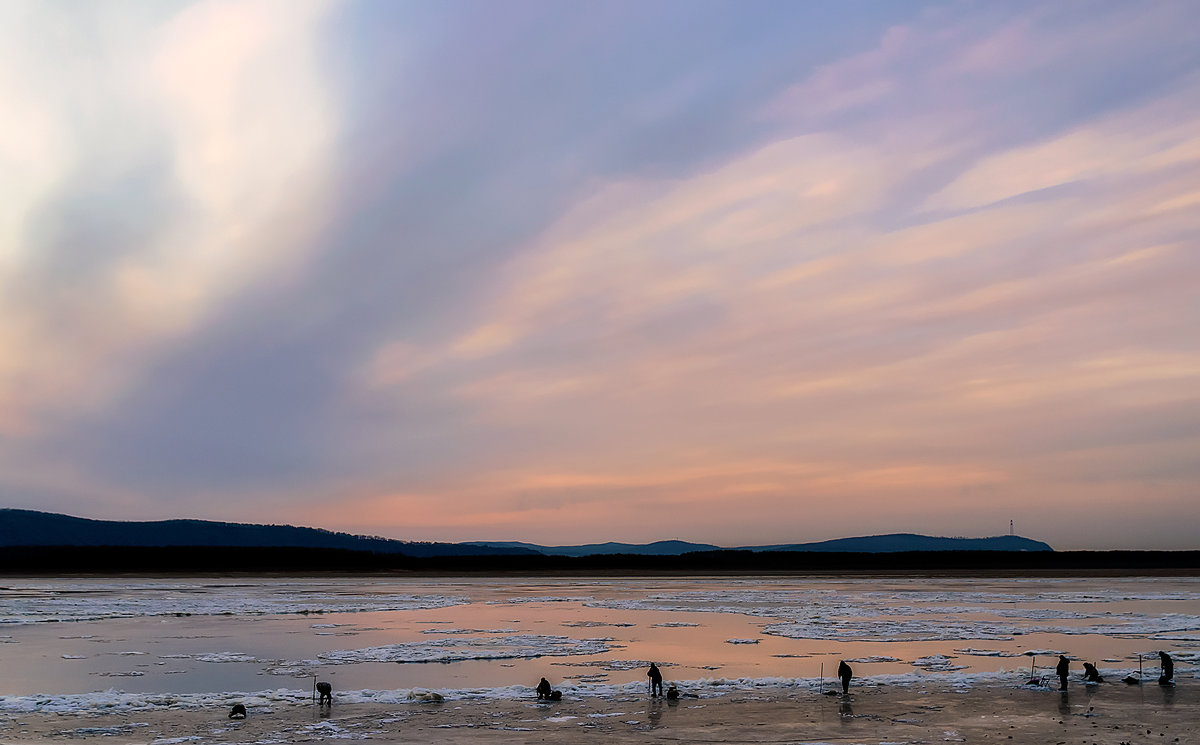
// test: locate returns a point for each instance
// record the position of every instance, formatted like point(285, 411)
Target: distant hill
point(658, 548)
point(875, 544)
point(32, 528)
point(865, 544)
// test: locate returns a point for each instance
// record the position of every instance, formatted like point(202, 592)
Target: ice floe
point(823, 614)
point(223, 657)
point(988, 652)
point(541, 599)
point(614, 665)
point(468, 631)
point(59, 602)
point(937, 663)
point(471, 648)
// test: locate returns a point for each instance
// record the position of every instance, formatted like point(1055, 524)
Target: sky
point(732, 272)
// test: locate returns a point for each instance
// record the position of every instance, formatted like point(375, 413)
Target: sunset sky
point(734, 272)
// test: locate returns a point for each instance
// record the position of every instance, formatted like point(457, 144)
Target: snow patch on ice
point(541, 599)
point(988, 652)
point(468, 631)
point(59, 601)
point(223, 657)
point(937, 663)
point(465, 648)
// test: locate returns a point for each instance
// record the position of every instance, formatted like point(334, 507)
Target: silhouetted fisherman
point(655, 680)
point(1062, 670)
point(845, 673)
point(543, 689)
point(238, 711)
point(1168, 669)
point(326, 691)
point(672, 693)
point(1091, 674)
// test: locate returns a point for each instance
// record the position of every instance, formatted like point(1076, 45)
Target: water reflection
point(654, 712)
point(260, 646)
point(1168, 694)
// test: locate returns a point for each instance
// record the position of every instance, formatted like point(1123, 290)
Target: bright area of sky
point(735, 272)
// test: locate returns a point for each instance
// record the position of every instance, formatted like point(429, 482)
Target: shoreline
point(1108, 714)
point(113, 699)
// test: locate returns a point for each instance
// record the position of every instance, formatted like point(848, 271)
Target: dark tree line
point(56, 560)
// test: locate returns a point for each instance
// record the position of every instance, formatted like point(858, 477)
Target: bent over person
point(1168, 669)
point(543, 689)
point(845, 672)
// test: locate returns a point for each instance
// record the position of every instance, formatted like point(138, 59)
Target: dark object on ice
point(1062, 670)
point(543, 689)
point(1168, 669)
point(555, 696)
point(655, 680)
point(326, 691)
point(845, 672)
point(672, 693)
point(1034, 678)
point(238, 711)
point(1135, 680)
point(1091, 674)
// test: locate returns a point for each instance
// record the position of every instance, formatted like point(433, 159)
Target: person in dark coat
point(845, 672)
point(1091, 674)
point(238, 711)
point(655, 680)
point(543, 689)
point(1062, 670)
point(326, 693)
point(1168, 669)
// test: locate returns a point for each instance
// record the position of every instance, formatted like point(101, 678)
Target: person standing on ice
point(845, 672)
point(655, 680)
point(1062, 670)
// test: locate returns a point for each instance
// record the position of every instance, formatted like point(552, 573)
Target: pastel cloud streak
point(567, 274)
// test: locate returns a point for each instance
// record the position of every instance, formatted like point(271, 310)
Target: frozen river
point(64, 639)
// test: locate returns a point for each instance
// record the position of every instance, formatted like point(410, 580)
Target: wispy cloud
point(573, 279)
